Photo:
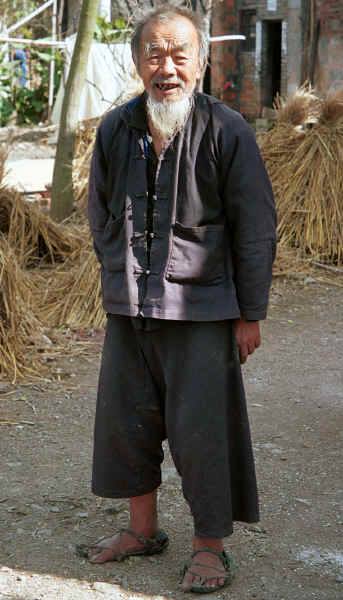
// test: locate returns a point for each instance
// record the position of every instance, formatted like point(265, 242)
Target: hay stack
point(3, 158)
point(29, 238)
point(304, 157)
point(81, 164)
point(32, 235)
point(19, 325)
point(73, 291)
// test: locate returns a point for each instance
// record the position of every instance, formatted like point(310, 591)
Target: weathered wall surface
point(329, 65)
point(246, 75)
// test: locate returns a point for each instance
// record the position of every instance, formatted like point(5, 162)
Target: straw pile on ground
point(19, 325)
point(49, 278)
point(81, 164)
point(3, 156)
point(36, 300)
point(32, 235)
point(303, 154)
point(72, 294)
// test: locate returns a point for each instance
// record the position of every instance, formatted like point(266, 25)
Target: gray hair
point(166, 13)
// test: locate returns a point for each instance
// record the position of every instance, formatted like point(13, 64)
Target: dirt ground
point(295, 393)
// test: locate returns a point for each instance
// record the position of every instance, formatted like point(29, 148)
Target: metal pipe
point(4, 39)
point(222, 38)
point(30, 16)
point(52, 63)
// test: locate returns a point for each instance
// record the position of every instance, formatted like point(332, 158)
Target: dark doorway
point(271, 83)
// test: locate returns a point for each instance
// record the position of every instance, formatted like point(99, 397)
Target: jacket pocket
point(113, 240)
point(197, 255)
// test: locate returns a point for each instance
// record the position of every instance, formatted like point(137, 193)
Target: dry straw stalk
point(303, 154)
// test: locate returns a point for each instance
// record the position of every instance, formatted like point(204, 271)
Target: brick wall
point(238, 76)
point(250, 69)
point(226, 68)
point(329, 65)
point(242, 76)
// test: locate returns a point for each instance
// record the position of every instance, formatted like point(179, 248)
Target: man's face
point(169, 59)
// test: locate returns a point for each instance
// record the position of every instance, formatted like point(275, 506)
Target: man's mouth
point(166, 86)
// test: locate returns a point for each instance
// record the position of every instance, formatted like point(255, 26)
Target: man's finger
point(243, 354)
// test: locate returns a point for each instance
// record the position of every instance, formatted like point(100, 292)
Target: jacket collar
point(135, 113)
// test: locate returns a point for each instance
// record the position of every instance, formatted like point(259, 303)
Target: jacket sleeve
point(251, 215)
point(97, 201)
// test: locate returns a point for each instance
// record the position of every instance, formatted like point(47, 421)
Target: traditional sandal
point(152, 545)
point(227, 574)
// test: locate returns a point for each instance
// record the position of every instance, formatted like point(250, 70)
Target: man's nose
point(167, 66)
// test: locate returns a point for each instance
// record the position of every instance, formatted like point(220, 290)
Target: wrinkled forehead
point(167, 45)
point(169, 35)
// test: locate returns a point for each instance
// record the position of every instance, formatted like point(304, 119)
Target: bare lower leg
point(200, 543)
point(143, 514)
point(143, 520)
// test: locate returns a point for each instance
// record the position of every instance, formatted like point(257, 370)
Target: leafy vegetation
point(28, 105)
point(109, 32)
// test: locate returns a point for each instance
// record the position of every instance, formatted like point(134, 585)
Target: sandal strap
point(221, 555)
point(226, 575)
point(140, 537)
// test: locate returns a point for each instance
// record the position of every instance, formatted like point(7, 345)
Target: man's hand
point(248, 337)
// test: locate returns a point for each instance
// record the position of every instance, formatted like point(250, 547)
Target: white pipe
point(29, 17)
point(52, 63)
point(28, 42)
point(222, 38)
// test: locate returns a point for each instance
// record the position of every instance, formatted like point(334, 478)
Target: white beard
point(169, 117)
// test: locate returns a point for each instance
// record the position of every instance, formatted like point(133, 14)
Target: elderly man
point(183, 221)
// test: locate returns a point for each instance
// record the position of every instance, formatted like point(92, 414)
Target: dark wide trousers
point(181, 380)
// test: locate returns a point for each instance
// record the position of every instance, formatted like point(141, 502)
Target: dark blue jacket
point(213, 224)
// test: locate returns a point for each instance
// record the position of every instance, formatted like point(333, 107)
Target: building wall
point(247, 76)
point(329, 65)
point(226, 66)
point(293, 47)
point(248, 67)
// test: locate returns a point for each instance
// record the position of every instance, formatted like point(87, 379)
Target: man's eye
point(180, 59)
point(154, 59)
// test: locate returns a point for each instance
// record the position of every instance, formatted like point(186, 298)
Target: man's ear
point(135, 62)
point(201, 70)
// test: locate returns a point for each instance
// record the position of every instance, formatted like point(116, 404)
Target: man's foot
point(209, 570)
point(126, 543)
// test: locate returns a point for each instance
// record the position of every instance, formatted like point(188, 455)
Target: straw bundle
point(85, 136)
point(34, 237)
point(73, 292)
point(332, 109)
point(300, 109)
point(305, 166)
point(81, 164)
point(3, 158)
point(18, 324)
point(4, 152)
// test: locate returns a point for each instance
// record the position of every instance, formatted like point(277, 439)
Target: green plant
point(30, 103)
point(6, 76)
point(108, 32)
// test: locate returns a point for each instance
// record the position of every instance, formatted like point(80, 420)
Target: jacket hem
point(190, 315)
